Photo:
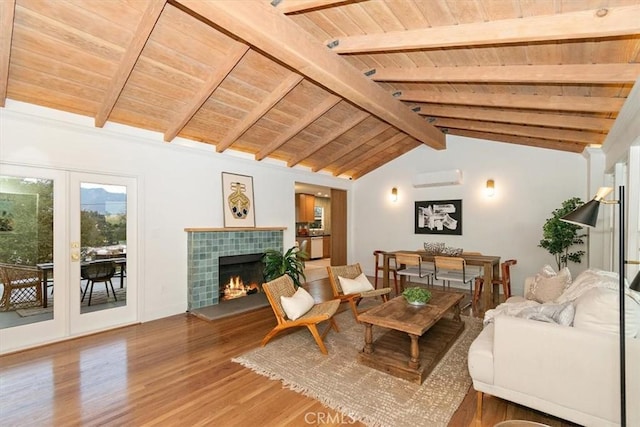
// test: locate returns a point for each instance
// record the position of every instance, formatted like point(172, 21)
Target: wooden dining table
point(489, 263)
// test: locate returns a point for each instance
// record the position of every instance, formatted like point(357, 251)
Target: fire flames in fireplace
point(235, 288)
point(240, 276)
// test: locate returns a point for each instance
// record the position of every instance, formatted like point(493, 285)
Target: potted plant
point(417, 296)
point(291, 263)
point(559, 236)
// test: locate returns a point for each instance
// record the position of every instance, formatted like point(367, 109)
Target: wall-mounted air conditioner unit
point(436, 179)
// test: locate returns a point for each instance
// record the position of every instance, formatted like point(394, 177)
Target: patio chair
point(353, 298)
point(22, 286)
point(98, 272)
point(317, 313)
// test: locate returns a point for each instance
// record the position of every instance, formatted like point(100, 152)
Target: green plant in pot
point(278, 264)
point(417, 296)
point(559, 236)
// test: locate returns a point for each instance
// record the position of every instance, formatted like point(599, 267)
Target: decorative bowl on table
point(417, 296)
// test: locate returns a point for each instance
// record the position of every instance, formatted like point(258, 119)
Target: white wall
point(179, 186)
point(530, 183)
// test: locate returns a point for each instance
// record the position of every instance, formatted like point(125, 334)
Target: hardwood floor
point(176, 371)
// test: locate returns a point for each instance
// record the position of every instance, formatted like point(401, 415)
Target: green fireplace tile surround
point(206, 245)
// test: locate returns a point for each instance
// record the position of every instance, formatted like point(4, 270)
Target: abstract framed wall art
point(237, 200)
point(439, 217)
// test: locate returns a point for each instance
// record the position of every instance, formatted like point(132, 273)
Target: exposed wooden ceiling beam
point(129, 59)
point(522, 130)
point(567, 74)
point(603, 22)
point(363, 139)
point(7, 11)
point(362, 171)
point(535, 102)
point(350, 123)
point(262, 26)
point(232, 58)
point(370, 153)
point(573, 147)
point(291, 6)
point(260, 110)
point(516, 117)
point(301, 123)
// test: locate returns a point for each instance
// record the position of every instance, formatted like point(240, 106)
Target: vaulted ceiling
point(341, 86)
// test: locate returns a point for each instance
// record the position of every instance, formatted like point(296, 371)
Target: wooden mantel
point(197, 229)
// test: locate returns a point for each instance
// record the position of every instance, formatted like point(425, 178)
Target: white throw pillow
point(548, 285)
point(355, 286)
point(298, 304)
point(598, 310)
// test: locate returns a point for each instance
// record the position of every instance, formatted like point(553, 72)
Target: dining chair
point(317, 313)
point(98, 272)
point(504, 280)
point(414, 266)
point(453, 269)
point(471, 269)
point(352, 271)
point(378, 256)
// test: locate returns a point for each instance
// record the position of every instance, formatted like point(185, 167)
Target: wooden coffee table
point(422, 330)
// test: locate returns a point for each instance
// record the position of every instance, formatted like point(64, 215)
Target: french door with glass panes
point(65, 238)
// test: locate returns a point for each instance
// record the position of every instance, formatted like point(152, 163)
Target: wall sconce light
point(490, 190)
point(394, 194)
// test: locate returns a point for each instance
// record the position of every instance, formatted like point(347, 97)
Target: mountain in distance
point(102, 201)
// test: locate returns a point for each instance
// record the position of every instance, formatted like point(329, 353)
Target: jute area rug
point(359, 392)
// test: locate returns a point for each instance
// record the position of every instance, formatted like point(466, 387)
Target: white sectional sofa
point(571, 372)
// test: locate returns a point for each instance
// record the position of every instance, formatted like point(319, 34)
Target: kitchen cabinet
point(305, 204)
point(326, 246)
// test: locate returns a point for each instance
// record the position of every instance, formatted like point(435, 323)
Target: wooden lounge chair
point(351, 272)
point(283, 286)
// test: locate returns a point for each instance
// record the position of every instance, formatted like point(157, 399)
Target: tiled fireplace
point(207, 245)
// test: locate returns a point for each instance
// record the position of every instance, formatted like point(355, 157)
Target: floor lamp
point(587, 215)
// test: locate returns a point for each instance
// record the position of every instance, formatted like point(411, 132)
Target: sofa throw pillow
point(587, 280)
point(562, 314)
point(298, 304)
point(598, 310)
point(355, 286)
point(547, 287)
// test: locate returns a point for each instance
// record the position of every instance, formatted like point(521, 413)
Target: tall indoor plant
point(291, 263)
point(558, 237)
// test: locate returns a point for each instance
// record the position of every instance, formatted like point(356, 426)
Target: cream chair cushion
point(298, 304)
point(355, 286)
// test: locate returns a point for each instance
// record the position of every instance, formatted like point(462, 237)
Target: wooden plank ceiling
point(338, 86)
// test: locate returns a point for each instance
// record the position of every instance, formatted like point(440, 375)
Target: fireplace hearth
point(240, 275)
